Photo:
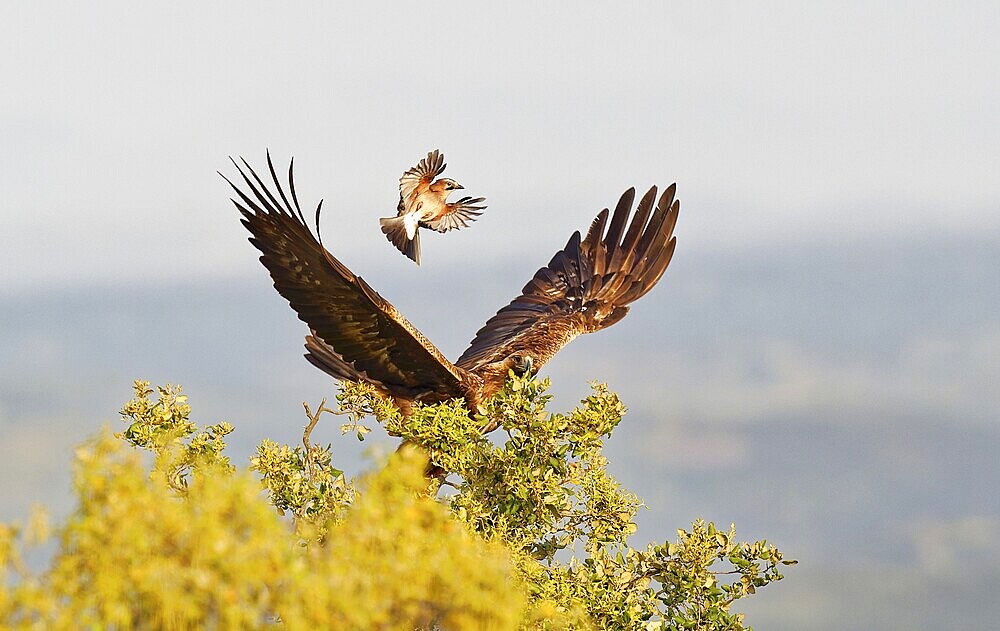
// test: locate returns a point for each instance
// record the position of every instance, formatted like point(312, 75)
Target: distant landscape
point(845, 388)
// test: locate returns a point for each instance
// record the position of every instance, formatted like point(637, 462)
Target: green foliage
point(134, 554)
point(164, 428)
point(545, 492)
point(400, 561)
point(532, 533)
point(302, 481)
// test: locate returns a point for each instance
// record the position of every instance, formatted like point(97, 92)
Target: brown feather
point(586, 287)
point(345, 312)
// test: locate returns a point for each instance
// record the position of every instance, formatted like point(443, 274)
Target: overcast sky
point(780, 122)
point(827, 336)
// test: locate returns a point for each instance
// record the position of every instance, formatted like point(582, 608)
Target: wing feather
point(424, 173)
point(360, 327)
point(460, 214)
point(618, 219)
point(586, 286)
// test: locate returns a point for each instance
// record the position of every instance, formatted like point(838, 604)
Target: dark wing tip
point(652, 191)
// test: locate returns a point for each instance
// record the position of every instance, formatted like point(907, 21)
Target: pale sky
point(780, 122)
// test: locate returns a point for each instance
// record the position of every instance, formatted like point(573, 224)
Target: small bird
point(423, 203)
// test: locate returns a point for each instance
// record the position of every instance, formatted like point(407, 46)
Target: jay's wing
point(459, 214)
point(419, 177)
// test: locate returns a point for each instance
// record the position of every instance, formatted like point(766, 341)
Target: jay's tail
point(394, 229)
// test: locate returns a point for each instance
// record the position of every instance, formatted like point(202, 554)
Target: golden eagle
point(357, 335)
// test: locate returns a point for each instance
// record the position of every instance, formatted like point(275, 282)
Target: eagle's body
point(423, 202)
point(357, 335)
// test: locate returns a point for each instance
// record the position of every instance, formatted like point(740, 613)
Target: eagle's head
point(521, 364)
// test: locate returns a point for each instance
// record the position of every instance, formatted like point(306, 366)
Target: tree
point(529, 533)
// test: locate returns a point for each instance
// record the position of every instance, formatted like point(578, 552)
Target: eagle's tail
point(394, 229)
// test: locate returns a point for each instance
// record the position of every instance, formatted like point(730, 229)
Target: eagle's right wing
point(587, 286)
point(363, 328)
point(422, 174)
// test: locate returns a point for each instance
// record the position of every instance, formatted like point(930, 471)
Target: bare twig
point(313, 420)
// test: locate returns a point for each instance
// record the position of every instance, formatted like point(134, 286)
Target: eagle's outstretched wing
point(423, 173)
point(587, 286)
point(360, 326)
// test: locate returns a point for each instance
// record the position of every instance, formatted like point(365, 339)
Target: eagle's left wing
point(587, 286)
point(364, 330)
